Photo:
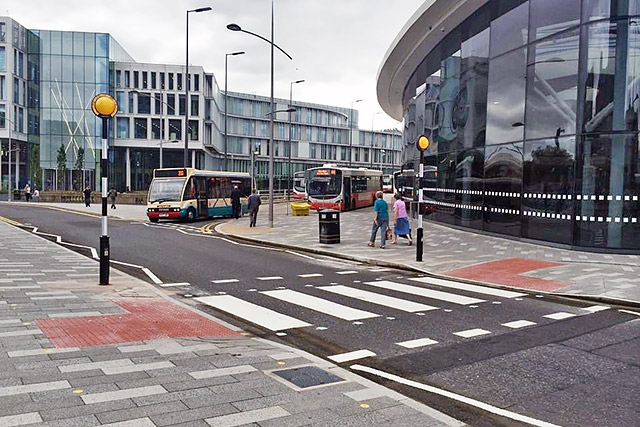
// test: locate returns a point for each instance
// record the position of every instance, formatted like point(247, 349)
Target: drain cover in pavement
point(308, 376)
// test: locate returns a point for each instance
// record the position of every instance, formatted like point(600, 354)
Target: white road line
point(559, 316)
point(152, 276)
point(352, 355)
point(347, 272)
point(423, 292)
point(421, 342)
point(269, 278)
point(471, 288)
point(253, 313)
point(225, 281)
point(379, 269)
point(454, 396)
point(168, 285)
point(471, 333)
point(372, 297)
point(518, 324)
point(306, 276)
point(320, 305)
point(596, 308)
point(630, 312)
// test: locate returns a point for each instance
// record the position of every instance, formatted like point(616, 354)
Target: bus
point(405, 183)
point(333, 187)
point(187, 193)
point(299, 190)
point(387, 183)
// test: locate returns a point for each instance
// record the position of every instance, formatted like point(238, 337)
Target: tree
point(79, 165)
point(34, 167)
point(62, 166)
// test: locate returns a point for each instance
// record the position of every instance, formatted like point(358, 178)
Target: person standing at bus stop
point(380, 220)
point(254, 205)
point(236, 207)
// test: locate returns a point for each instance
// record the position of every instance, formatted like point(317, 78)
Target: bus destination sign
point(170, 173)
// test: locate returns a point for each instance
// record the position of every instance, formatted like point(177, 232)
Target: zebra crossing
point(418, 299)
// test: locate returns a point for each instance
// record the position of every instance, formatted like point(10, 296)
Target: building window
point(153, 80)
point(175, 129)
point(3, 88)
point(194, 109)
point(127, 77)
point(118, 78)
point(136, 79)
point(194, 129)
point(170, 77)
point(144, 103)
point(122, 124)
point(155, 129)
point(162, 86)
point(145, 83)
point(181, 104)
point(179, 81)
point(140, 128)
point(196, 82)
point(171, 104)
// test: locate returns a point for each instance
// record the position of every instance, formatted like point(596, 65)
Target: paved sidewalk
point(73, 353)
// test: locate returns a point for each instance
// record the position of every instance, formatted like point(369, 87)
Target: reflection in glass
point(552, 86)
point(469, 188)
point(509, 31)
point(552, 16)
point(547, 187)
point(449, 91)
point(593, 10)
point(502, 188)
point(505, 99)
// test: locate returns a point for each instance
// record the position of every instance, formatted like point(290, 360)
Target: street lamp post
point(382, 156)
point(351, 129)
point(226, 113)
point(186, 88)
point(373, 135)
point(236, 27)
point(290, 129)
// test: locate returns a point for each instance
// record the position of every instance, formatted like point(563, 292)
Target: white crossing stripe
point(559, 316)
point(423, 292)
point(320, 305)
point(379, 269)
point(305, 276)
point(352, 355)
point(596, 308)
point(269, 278)
point(421, 342)
point(253, 313)
point(347, 272)
point(471, 333)
point(518, 324)
point(372, 297)
point(167, 285)
point(225, 281)
point(471, 288)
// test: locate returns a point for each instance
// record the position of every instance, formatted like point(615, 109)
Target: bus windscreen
point(166, 190)
point(325, 183)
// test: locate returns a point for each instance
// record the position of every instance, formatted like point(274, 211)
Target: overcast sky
point(337, 45)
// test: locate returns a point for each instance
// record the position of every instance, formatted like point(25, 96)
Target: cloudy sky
point(337, 45)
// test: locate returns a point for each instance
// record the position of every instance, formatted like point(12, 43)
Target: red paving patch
point(508, 272)
point(147, 319)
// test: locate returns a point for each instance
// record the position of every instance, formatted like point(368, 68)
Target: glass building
point(49, 78)
point(532, 110)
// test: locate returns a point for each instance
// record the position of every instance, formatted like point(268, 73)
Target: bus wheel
point(153, 219)
point(191, 215)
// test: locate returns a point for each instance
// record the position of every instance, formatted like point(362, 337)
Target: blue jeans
point(382, 225)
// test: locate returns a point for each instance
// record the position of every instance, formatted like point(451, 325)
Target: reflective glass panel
point(449, 92)
point(552, 86)
point(601, 9)
point(505, 98)
point(509, 31)
point(547, 205)
point(469, 188)
point(502, 188)
point(548, 17)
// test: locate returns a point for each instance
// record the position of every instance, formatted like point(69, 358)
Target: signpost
point(422, 143)
point(104, 106)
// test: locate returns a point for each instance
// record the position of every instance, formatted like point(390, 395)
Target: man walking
point(236, 207)
point(112, 197)
point(254, 205)
point(87, 196)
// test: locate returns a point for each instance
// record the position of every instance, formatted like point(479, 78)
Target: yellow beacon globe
point(422, 143)
point(104, 105)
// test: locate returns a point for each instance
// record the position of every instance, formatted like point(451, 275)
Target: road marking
point(306, 276)
point(225, 281)
point(518, 324)
point(269, 278)
point(152, 276)
point(253, 313)
point(372, 297)
point(471, 288)
point(420, 342)
point(247, 417)
point(347, 272)
point(471, 333)
point(320, 305)
point(423, 292)
point(379, 269)
point(454, 396)
point(559, 316)
point(167, 285)
point(596, 308)
point(630, 312)
point(352, 355)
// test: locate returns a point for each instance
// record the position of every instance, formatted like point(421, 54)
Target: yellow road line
point(10, 221)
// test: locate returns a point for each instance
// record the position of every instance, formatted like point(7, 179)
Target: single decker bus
point(187, 193)
point(333, 187)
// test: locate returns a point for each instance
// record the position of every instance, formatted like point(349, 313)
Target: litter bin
point(329, 222)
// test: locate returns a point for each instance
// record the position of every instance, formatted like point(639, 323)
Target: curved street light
point(236, 27)
point(351, 128)
point(226, 114)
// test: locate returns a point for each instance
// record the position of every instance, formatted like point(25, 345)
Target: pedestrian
point(87, 196)
point(236, 208)
point(254, 205)
point(380, 220)
point(112, 197)
point(36, 195)
point(401, 226)
point(27, 192)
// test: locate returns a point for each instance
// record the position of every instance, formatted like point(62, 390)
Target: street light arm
point(235, 27)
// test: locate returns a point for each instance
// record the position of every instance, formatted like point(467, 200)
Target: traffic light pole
point(420, 237)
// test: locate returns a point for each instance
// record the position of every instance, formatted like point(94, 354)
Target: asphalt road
point(561, 362)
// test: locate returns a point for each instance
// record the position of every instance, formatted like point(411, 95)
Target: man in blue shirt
point(380, 220)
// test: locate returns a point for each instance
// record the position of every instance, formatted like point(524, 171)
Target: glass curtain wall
point(532, 110)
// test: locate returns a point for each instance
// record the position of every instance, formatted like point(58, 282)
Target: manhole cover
point(308, 376)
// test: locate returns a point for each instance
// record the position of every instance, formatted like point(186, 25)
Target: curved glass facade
point(532, 110)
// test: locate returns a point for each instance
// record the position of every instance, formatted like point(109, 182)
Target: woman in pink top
point(401, 225)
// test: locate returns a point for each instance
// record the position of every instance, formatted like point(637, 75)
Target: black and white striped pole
point(104, 106)
point(422, 143)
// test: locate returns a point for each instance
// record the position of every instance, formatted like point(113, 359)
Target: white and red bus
point(332, 187)
point(299, 189)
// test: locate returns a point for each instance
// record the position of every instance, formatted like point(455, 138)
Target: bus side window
point(188, 191)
